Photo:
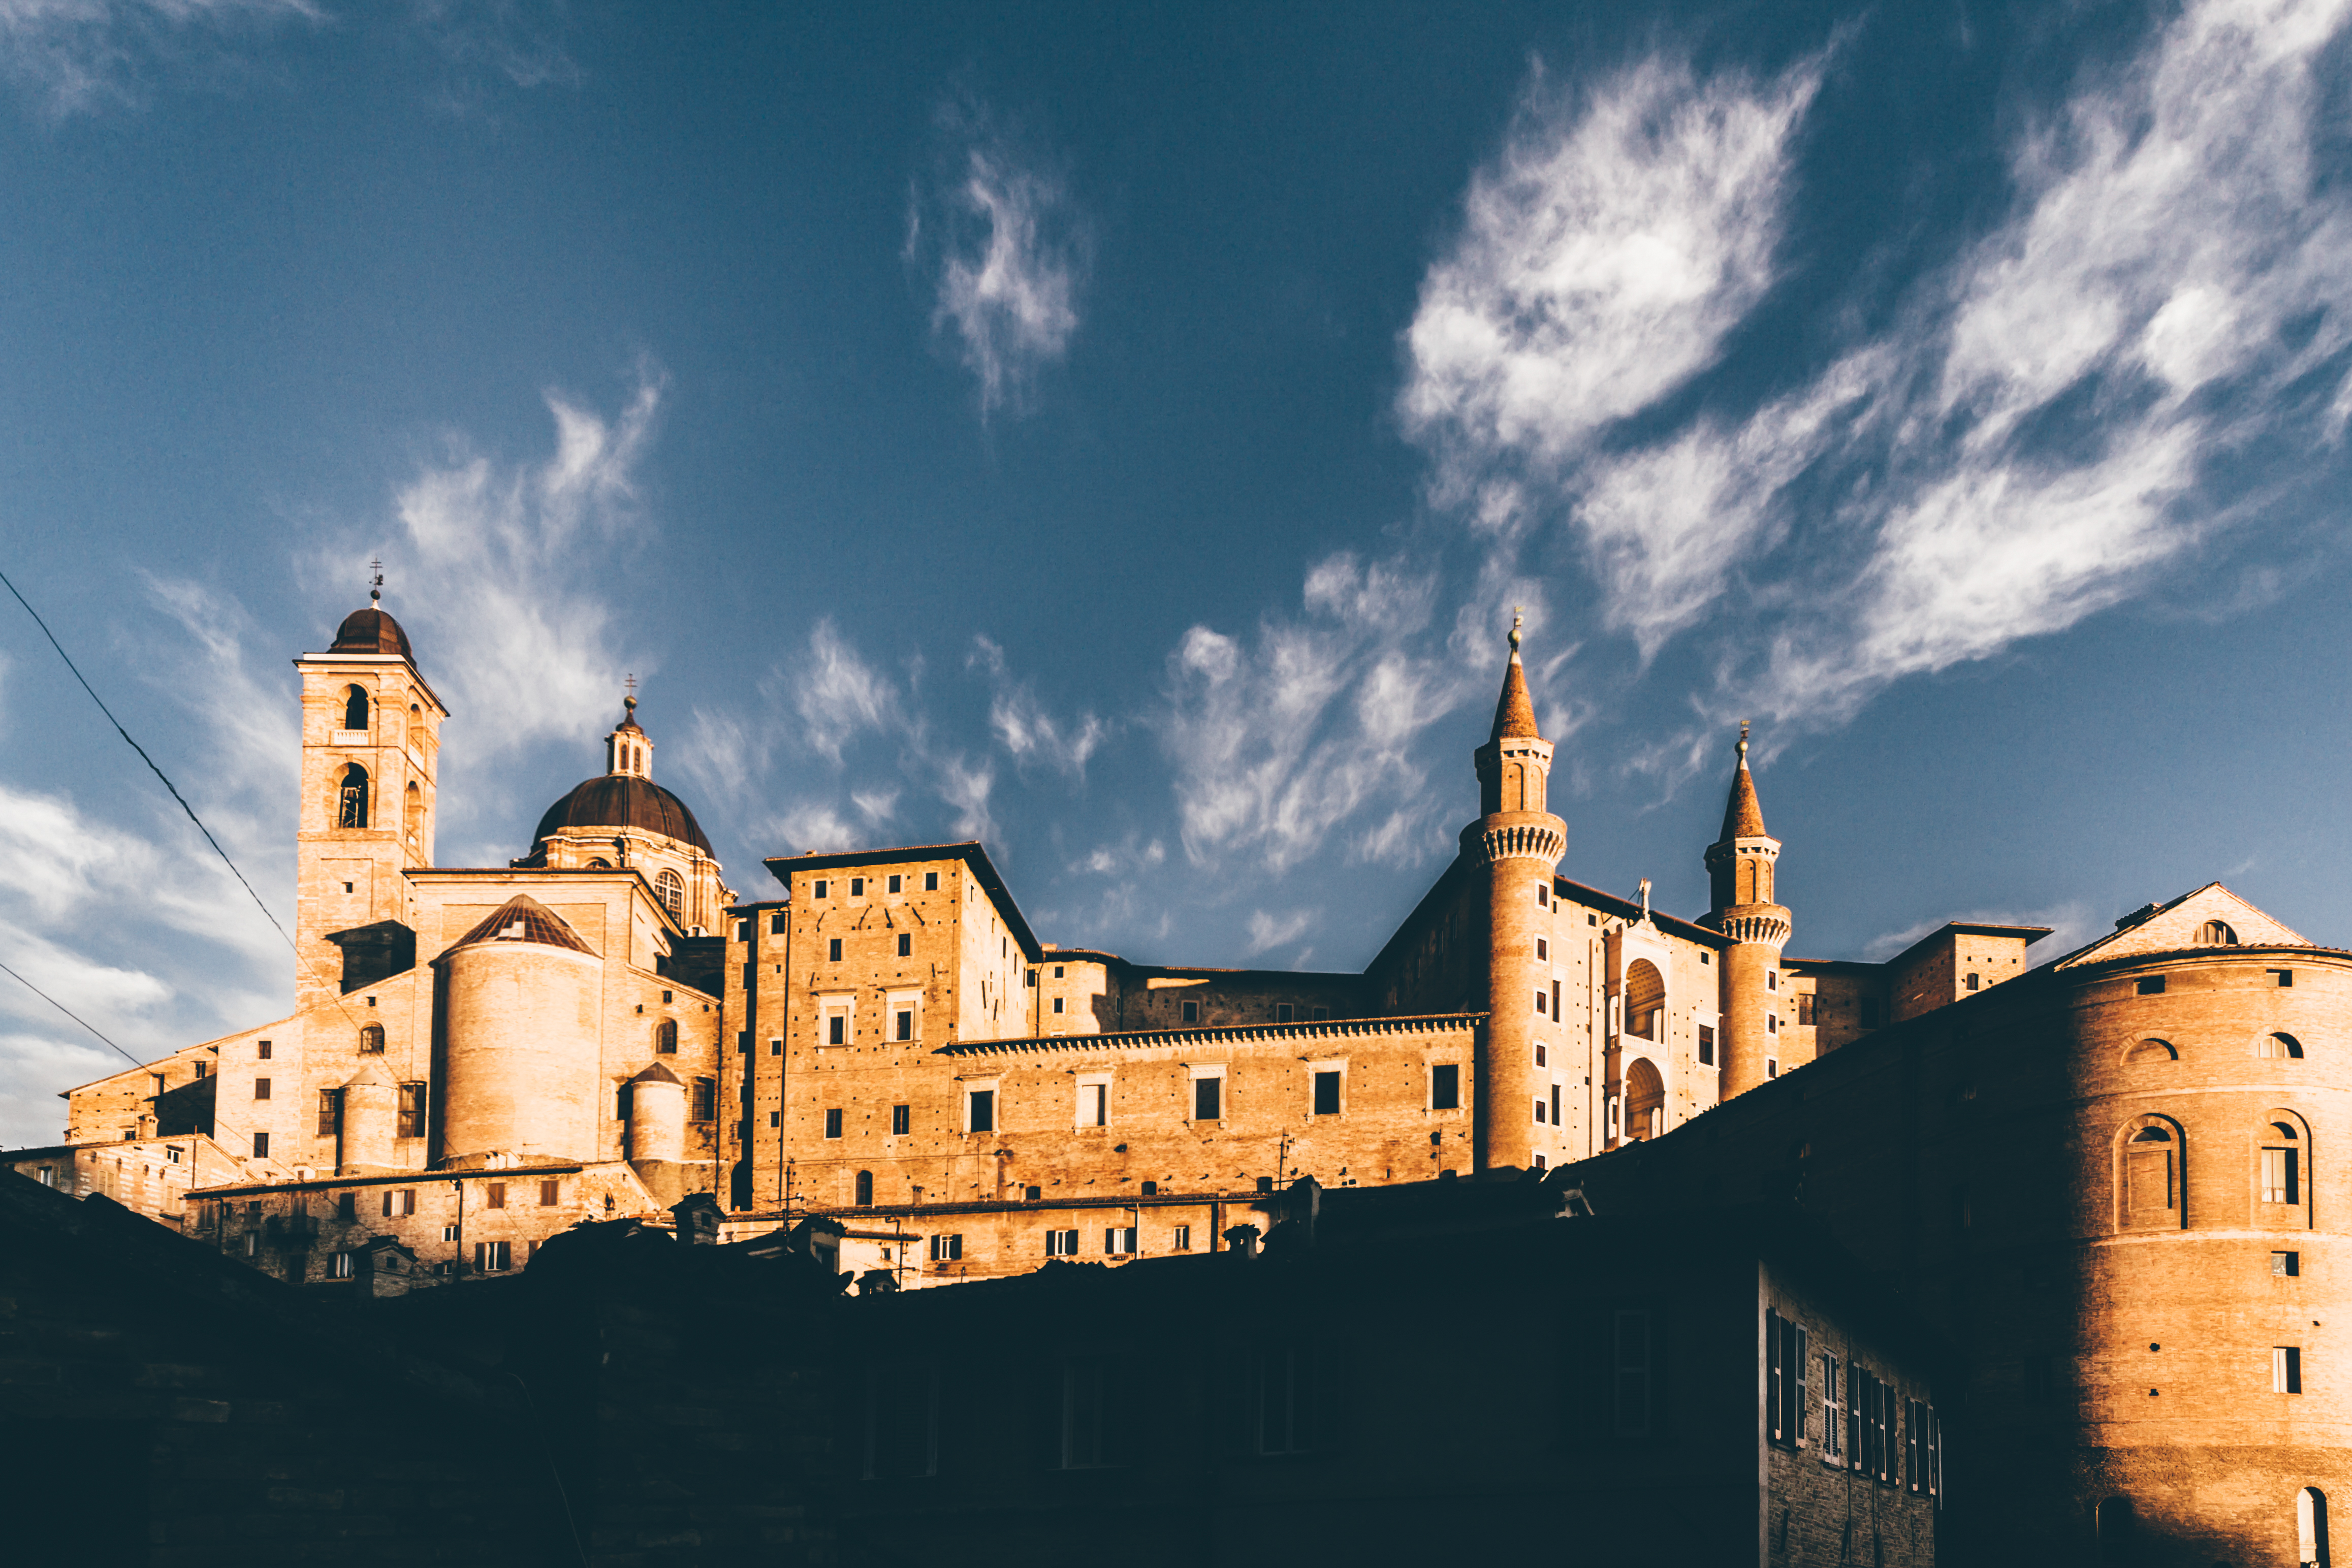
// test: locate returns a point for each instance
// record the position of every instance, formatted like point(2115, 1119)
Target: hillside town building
point(2056, 1166)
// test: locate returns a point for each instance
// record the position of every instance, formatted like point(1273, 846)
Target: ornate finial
point(1515, 628)
point(375, 588)
point(630, 702)
point(1743, 743)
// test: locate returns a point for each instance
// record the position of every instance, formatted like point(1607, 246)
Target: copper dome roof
point(621, 801)
point(371, 630)
point(523, 918)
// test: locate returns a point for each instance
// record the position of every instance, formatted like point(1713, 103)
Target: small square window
point(856, 887)
point(1321, 1014)
point(550, 1193)
point(905, 1022)
point(779, 923)
point(1543, 896)
point(1032, 1194)
point(1543, 948)
point(261, 1051)
point(2286, 976)
point(2151, 985)
point(497, 1195)
point(836, 1028)
point(820, 889)
point(931, 881)
point(833, 950)
point(1283, 1012)
point(775, 1118)
point(742, 931)
point(894, 885)
point(1192, 1011)
point(902, 1119)
point(1972, 982)
point(947, 1249)
point(1058, 971)
point(1181, 1241)
point(1058, 1004)
point(1771, 1068)
point(775, 1048)
point(1706, 1045)
point(832, 1124)
point(261, 1089)
point(1593, 919)
point(2286, 1263)
point(905, 944)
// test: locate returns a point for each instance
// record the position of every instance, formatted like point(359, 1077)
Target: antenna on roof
point(375, 583)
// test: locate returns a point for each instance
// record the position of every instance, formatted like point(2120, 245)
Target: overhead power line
point(53, 1001)
point(159, 773)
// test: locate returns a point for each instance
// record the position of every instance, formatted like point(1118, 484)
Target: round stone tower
point(370, 1105)
point(656, 1115)
point(1741, 867)
point(523, 1070)
point(1516, 845)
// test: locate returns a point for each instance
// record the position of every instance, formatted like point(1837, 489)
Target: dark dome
point(619, 800)
point(371, 630)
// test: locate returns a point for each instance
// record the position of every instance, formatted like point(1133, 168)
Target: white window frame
point(968, 1087)
point(1193, 1074)
point(897, 1002)
point(1180, 1239)
point(1061, 1241)
point(1119, 1240)
point(1088, 1080)
point(842, 1005)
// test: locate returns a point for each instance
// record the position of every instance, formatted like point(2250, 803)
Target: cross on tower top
point(375, 582)
point(630, 702)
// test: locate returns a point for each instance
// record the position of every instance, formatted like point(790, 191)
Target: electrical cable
point(85, 1023)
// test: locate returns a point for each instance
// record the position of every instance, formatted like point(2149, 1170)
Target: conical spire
point(1743, 815)
point(1515, 713)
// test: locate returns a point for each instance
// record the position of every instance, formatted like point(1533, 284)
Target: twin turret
point(1741, 867)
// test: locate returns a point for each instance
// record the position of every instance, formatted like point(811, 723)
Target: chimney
point(1242, 1239)
point(697, 1215)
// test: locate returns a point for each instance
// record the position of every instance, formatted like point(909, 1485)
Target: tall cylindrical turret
point(1742, 867)
point(656, 1115)
point(523, 1070)
point(367, 1117)
point(1519, 844)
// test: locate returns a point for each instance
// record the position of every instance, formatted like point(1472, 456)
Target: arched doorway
point(2114, 1523)
point(2311, 1528)
point(1645, 1000)
point(1645, 1100)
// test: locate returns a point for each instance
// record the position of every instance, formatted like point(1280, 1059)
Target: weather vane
point(375, 583)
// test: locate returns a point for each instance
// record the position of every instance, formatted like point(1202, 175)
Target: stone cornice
point(1235, 1034)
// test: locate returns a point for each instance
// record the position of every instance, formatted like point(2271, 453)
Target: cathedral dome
point(371, 630)
point(623, 800)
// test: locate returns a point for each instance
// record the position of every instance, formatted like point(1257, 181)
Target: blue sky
point(1121, 434)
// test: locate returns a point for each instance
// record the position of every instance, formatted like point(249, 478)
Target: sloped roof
point(2171, 927)
point(658, 1074)
point(524, 919)
point(1743, 814)
point(1515, 711)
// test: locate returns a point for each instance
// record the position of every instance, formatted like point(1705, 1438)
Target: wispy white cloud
point(77, 56)
point(1270, 931)
point(1004, 248)
point(1023, 727)
point(838, 695)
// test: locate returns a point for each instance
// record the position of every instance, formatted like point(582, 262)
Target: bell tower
point(1742, 866)
point(1516, 845)
point(371, 750)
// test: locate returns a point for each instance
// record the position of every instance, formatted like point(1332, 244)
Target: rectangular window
point(202, 1068)
point(340, 1266)
point(1631, 1366)
point(1094, 1104)
point(261, 1089)
point(2286, 1369)
point(347, 1206)
point(1543, 896)
point(1192, 1011)
point(832, 1124)
point(1542, 998)
point(780, 923)
point(1804, 1006)
point(775, 1048)
point(1919, 1451)
point(931, 881)
point(1706, 1045)
point(327, 1098)
point(493, 1257)
point(1539, 1053)
point(1118, 1241)
point(2280, 1177)
point(902, 1119)
point(1061, 1244)
point(1208, 1099)
point(743, 1040)
point(1771, 979)
point(1771, 1068)
point(1555, 1104)
point(947, 1249)
point(260, 1145)
point(1784, 1380)
point(1058, 1004)
point(1445, 1087)
point(1830, 1429)
point(1555, 1002)
point(833, 950)
point(1327, 1094)
point(498, 1195)
point(1283, 1012)
point(836, 1028)
point(1540, 1108)
point(2286, 977)
point(1543, 949)
point(906, 1022)
point(261, 1051)
point(905, 944)
point(1771, 1023)
point(399, 1204)
point(448, 1233)
point(2288, 1263)
point(550, 1191)
point(895, 884)
point(980, 1111)
point(1181, 1240)
point(2151, 985)
point(856, 887)
point(706, 1098)
point(820, 889)
point(412, 1111)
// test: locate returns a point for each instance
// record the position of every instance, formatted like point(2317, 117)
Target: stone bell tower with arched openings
point(1741, 867)
point(1519, 844)
point(370, 748)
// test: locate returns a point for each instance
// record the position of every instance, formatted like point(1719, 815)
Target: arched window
point(2216, 934)
point(673, 893)
point(351, 797)
point(2281, 1166)
point(2151, 1174)
point(599, 865)
point(372, 1041)
point(1645, 1100)
point(1646, 998)
point(2279, 1045)
point(2151, 1051)
point(665, 1038)
point(865, 1189)
point(2311, 1528)
point(415, 813)
point(355, 709)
